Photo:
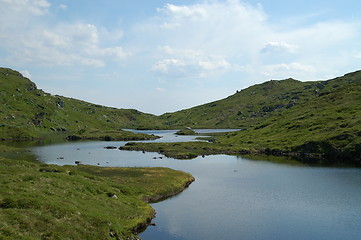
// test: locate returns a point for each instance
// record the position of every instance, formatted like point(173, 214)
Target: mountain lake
point(234, 197)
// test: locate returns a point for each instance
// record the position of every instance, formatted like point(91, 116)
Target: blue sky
point(161, 56)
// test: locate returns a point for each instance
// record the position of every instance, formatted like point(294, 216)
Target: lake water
point(234, 197)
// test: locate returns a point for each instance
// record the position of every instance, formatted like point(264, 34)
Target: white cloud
point(231, 36)
point(287, 70)
point(189, 63)
point(68, 36)
point(279, 47)
point(114, 52)
point(66, 44)
point(34, 7)
point(205, 40)
point(165, 66)
point(195, 12)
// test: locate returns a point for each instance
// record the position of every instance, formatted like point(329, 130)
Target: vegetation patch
point(39, 201)
point(27, 113)
point(184, 150)
point(111, 135)
point(318, 119)
point(186, 131)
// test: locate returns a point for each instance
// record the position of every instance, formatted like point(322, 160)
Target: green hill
point(27, 112)
point(289, 117)
point(286, 117)
point(253, 105)
point(322, 119)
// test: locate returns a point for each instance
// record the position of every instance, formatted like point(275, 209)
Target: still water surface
point(234, 197)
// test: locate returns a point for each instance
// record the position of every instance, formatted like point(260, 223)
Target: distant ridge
point(254, 104)
point(287, 117)
point(27, 112)
point(275, 117)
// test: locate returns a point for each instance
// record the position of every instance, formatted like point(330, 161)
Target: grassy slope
point(27, 112)
point(39, 201)
point(328, 123)
point(280, 117)
point(276, 116)
point(257, 103)
point(243, 109)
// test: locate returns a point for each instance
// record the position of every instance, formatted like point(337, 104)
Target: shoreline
point(191, 150)
point(149, 200)
point(102, 201)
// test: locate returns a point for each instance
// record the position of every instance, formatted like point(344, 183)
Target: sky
point(161, 56)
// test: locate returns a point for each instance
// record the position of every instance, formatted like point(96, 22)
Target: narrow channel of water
point(234, 197)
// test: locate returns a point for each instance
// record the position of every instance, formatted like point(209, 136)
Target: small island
point(186, 131)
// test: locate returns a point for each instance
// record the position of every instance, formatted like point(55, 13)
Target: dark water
point(237, 198)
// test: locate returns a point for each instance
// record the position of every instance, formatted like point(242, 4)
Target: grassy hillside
point(328, 123)
point(39, 201)
point(319, 119)
point(27, 112)
point(253, 105)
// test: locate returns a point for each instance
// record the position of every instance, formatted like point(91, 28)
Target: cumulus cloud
point(196, 12)
point(61, 44)
point(232, 36)
point(25, 7)
point(165, 65)
point(214, 27)
point(228, 40)
point(207, 39)
point(189, 63)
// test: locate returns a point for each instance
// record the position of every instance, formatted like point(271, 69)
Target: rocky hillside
point(287, 117)
point(254, 105)
point(27, 112)
point(321, 119)
point(316, 122)
point(278, 117)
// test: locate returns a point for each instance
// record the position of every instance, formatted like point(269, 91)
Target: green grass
point(27, 112)
point(329, 124)
point(39, 201)
point(184, 150)
point(113, 135)
point(319, 118)
point(186, 131)
point(252, 106)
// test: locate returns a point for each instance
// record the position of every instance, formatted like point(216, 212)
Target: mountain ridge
point(275, 117)
point(242, 108)
point(28, 112)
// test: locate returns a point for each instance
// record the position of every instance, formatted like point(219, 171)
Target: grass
point(309, 120)
point(184, 150)
point(186, 131)
point(112, 135)
point(39, 201)
point(319, 118)
point(27, 112)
